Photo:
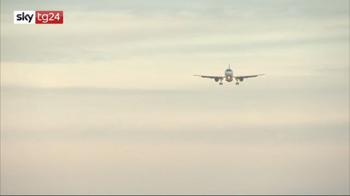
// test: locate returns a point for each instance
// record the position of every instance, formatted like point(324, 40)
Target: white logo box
point(23, 17)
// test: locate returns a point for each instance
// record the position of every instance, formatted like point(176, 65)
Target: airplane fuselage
point(228, 75)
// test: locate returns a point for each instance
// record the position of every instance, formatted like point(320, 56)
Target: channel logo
point(38, 17)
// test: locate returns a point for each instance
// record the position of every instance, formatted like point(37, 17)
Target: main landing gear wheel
point(237, 83)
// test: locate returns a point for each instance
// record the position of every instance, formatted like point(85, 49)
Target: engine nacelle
point(216, 79)
point(241, 79)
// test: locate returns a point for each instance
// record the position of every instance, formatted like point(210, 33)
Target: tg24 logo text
point(38, 17)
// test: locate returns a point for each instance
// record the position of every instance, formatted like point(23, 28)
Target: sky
point(107, 103)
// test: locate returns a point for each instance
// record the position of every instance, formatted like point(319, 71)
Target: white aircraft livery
point(229, 76)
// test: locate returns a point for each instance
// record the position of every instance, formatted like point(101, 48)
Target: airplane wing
point(247, 76)
point(216, 78)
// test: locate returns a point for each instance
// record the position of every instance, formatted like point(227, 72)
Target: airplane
point(229, 76)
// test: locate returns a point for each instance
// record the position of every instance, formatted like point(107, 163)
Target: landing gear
point(220, 83)
point(237, 82)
